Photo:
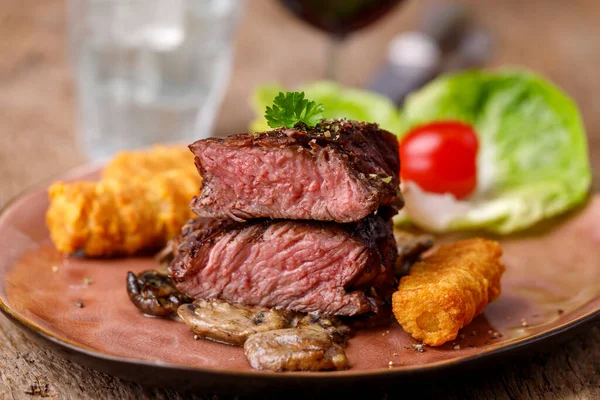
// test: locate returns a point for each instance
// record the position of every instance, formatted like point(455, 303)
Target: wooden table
point(556, 38)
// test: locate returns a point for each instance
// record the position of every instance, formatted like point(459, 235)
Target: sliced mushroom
point(410, 248)
point(338, 331)
point(154, 293)
point(228, 323)
point(296, 349)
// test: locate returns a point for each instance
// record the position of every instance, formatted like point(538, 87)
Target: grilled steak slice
point(338, 171)
point(301, 349)
point(303, 266)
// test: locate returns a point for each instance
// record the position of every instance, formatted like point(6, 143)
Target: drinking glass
point(149, 71)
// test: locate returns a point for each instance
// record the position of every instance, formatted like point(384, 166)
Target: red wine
point(340, 17)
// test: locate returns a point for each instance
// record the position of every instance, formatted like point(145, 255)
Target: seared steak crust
point(305, 266)
point(338, 171)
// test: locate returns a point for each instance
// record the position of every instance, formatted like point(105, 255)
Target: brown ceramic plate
point(551, 285)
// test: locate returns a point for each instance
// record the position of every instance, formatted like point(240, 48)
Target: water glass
point(149, 71)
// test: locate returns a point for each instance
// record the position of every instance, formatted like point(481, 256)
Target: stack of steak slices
point(295, 218)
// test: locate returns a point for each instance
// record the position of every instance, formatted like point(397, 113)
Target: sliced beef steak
point(306, 266)
point(338, 171)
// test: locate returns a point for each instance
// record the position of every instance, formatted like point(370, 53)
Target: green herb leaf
point(290, 108)
point(337, 101)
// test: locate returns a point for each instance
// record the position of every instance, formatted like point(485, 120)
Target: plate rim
point(397, 371)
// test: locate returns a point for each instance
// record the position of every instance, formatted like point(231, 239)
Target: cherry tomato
point(441, 157)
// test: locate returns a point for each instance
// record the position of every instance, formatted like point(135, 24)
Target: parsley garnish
point(290, 108)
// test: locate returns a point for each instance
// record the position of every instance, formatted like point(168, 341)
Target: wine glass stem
point(333, 52)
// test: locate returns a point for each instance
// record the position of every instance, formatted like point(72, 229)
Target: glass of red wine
point(339, 18)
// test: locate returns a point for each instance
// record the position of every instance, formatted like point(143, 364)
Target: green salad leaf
point(337, 101)
point(533, 161)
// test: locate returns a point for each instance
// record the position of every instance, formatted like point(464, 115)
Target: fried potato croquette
point(444, 292)
point(137, 205)
point(142, 164)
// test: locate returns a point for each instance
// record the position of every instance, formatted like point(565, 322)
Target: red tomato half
point(441, 157)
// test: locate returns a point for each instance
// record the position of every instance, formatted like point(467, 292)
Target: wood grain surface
point(558, 38)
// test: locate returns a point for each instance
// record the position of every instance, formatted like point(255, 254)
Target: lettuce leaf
point(533, 161)
point(338, 101)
